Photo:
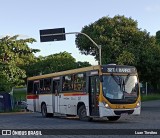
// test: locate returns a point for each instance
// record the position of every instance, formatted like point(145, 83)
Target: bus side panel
point(47, 99)
point(72, 105)
point(63, 103)
point(30, 105)
point(32, 102)
point(69, 102)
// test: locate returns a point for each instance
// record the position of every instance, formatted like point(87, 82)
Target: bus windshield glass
point(120, 89)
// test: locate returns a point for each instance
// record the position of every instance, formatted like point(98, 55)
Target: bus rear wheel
point(82, 113)
point(113, 118)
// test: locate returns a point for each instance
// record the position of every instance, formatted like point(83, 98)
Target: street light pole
point(98, 46)
point(100, 55)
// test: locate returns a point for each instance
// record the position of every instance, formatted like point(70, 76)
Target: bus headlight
point(138, 104)
point(106, 105)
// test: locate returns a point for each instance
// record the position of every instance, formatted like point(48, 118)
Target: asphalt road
point(149, 119)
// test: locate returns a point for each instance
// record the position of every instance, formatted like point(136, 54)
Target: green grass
point(150, 97)
point(15, 109)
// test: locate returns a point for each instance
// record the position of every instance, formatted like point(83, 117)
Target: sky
point(27, 17)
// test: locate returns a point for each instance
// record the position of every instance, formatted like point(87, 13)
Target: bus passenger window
point(36, 88)
point(79, 82)
point(65, 87)
point(41, 86)
point(47, 85)
point(30, 87)
point(67, 83)
point(83, 87)
point(56, 87)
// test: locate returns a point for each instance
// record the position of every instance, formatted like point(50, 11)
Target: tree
point(54, 63)
point(14, 53)
point(158, 37)
point(122, 43)
point(80, 64)
point(57, 62)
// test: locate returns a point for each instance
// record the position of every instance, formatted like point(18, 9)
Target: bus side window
point(65, 86)
point(56, 87)
point(41, 86)
point(84, 87)
point(67, 83)
point(30, 87)
point(36, 88)
point(47, 85)
point(79, 82)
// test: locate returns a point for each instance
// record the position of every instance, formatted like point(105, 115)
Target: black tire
point(113, 118)
point(82, 113)
point(44, 111)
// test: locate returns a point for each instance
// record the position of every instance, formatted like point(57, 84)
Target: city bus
point(101, 91)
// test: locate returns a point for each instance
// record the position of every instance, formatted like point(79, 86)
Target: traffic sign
point(57, 34)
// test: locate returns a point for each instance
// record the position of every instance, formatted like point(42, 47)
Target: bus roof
point(56, 74)
point(109, 68)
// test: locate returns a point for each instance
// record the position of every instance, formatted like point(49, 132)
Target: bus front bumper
point(105, 112)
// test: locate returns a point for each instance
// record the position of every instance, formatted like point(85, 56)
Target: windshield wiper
point(121, 82)
point(123, 86)
point(118, 82)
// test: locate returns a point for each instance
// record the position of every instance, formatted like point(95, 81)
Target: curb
point(15, 113)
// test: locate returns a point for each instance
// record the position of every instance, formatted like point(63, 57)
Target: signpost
point(51, 35)
point(58, 34)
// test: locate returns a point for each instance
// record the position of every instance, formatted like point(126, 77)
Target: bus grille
point(123, 112)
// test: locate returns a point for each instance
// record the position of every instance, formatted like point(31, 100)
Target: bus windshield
point(120, 89)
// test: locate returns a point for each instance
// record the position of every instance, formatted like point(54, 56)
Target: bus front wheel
point(82, 113)
point(113, 118)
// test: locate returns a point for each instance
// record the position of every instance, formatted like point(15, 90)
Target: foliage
point(80, 64)
point(158, 37)
point(54, 63)
point(17, 61)
point(19, 94)
point(113, 34)
point(123, 42)
point(14, 53)
point(150, 97)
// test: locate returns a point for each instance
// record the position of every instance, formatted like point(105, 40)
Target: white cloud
point(23, 36)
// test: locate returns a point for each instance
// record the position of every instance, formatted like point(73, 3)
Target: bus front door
point(55, 99)
point(93, 95)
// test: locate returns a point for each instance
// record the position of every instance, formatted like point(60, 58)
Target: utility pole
point(146, 88)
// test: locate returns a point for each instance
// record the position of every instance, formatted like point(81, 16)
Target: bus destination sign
point(118, 69)
point(126, 70)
